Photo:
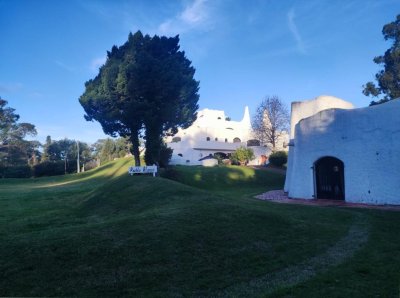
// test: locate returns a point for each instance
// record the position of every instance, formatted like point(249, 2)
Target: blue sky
point(242, 51)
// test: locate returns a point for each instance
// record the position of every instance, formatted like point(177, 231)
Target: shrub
point(165, 156)
point(24, 171)
point(170, 173)
point(226, 162)
point(242, 155)
point(278, 158)
point(91, 165)
point(220, 157)
point(48, 168)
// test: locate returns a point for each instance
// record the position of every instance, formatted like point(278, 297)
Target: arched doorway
point(220, 155)
point(329, 178)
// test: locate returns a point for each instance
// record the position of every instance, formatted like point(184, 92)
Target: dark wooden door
point(329, 175)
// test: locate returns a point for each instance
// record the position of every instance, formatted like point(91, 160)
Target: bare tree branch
point(271, 121)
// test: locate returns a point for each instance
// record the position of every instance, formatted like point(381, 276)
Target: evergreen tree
point(14, 149)
point(388, 79)
point(146, 87)
point(45, 155)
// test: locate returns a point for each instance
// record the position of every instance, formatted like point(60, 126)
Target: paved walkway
point(280, 197)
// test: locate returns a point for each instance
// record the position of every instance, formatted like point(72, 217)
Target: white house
point(339, 152)
point(213, 132)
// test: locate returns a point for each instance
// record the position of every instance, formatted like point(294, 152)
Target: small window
point(180, 154)
point(216, 139)
point(226, 140)
point(236, 140)
point(219, 118)
point(230, 128)
point(208, 138)
point(253, 143)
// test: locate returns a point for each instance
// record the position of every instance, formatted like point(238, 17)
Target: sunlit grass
point(104, 233)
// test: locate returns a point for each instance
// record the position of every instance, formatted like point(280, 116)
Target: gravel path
point(280, 196)
point(273, 195)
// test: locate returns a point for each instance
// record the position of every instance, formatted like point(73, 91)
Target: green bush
point(24, 171)
point(170, 173)
point(242, 155)
point(165, 156)
point(48, 168)
point(278, 158)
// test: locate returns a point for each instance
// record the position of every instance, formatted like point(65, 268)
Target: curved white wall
point(367, 140)
point(304, 109)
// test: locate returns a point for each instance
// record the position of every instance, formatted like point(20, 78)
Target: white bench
point(143, 170)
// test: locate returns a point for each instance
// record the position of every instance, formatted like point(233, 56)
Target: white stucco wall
point(213, 124)
point(211, 133)
point(192, 150)
point(366, 140)
point(304, 109)
point(307, 108)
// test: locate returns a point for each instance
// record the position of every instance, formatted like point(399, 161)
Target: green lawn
point(104, 233)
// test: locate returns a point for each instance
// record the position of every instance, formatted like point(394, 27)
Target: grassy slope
point(105, 233)
point(232, 181)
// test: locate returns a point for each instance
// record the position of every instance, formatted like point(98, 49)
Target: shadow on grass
point(230, 180)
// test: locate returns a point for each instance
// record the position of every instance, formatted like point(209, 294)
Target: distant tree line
point(20, 157)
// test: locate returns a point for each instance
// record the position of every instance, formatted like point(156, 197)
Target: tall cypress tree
point(146, 87)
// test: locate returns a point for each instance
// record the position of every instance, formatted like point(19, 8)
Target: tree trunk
point(153, 145)
point(135, 147)
point(273, 140)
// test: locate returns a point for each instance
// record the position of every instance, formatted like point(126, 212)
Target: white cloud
point(64, 66)
point(96, 63)
point(295, 32)
point(13, 87)
point(195, 13)
point(194, 16)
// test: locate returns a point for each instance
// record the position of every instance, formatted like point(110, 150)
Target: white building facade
point(213, 132)
point(338, 152)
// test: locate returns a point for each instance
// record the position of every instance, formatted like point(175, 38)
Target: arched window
point(176, 139)
point(216, 139)
point(236, 140)
point(253, 143)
